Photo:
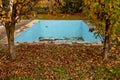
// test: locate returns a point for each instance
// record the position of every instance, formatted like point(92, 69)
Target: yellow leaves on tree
point(11, 12)
point(3, 12)
point(14, 1)
point(0, 2)
point(107, 12)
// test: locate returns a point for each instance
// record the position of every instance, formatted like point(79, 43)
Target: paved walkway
point(89, 24)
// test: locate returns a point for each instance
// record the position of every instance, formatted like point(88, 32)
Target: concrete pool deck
point(23, 25)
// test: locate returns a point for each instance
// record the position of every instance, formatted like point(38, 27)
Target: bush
point(72, 6)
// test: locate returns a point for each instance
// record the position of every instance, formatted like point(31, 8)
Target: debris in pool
point(42, 39)
point(79, 38)
point(66, 38)
point(46, 26)
point(91, 29)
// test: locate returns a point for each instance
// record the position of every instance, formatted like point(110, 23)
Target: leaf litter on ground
point(60, 62)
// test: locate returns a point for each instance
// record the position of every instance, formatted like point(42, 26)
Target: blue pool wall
point(69, 29)
point(44, 28)
point(87, 35)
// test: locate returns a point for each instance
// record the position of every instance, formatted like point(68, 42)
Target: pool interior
point(59, 31)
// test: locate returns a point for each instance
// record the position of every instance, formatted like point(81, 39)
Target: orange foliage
point(14, 1)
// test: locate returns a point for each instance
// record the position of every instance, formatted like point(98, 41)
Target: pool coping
point(60, 43)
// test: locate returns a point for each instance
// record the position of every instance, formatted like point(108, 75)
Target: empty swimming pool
point(59, 31)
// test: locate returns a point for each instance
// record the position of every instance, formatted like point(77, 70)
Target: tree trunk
point(10, 36)
point(106, 40)
point(51, 6)
point(106, 47)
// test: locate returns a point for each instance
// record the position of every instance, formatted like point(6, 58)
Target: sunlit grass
point(77, 16)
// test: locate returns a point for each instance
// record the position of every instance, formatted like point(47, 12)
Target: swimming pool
point(59, 31)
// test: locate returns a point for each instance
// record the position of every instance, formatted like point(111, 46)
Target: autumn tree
point(53, 5)
point(71, 6)
point(106, 15)
point(11, 12)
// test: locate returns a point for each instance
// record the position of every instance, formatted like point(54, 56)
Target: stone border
point(60, 43)
point(68, 43)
